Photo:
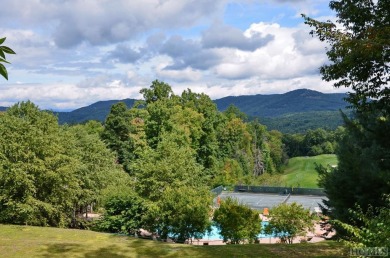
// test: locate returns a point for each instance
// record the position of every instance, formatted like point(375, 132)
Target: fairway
point(300, 171)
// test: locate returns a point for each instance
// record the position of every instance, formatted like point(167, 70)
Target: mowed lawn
point(26, 241)
point(300, 171)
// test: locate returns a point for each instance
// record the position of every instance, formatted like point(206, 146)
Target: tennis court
point(259, 201)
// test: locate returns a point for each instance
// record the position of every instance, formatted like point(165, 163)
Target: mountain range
point(291, 112)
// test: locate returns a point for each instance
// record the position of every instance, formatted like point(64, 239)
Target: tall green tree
point(184, 213)
point(363, 171)
point(116, 134)
point(359, 56)
point(97, 164)
point(169, 165)
point(38, 180)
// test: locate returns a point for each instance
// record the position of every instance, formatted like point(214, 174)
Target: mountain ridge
point(293, 111)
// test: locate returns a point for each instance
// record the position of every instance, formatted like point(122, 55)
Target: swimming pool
point(214, 235)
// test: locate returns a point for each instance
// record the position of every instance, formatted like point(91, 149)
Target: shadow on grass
point(71, 250)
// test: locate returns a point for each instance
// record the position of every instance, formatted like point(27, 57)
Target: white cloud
point(71, 53)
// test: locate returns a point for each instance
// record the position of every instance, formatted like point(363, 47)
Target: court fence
point(217, 190)
point(280, 190)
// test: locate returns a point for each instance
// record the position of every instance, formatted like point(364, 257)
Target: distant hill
point(97, 111)
point(275, 105)
point(291, 112)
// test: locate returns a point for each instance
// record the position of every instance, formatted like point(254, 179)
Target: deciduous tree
point(237, 223)
point(288, 221)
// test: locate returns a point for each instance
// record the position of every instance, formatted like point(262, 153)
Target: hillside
point(24, 241)
point(97, 111)
point(275, 105)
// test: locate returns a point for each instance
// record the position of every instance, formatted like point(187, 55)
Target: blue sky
point(72, 53)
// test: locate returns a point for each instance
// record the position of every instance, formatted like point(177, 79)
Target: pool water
point(214, 235)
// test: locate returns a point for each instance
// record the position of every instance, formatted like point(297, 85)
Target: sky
point(72, 53)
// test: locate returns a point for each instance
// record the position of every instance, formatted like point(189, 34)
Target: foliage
point(313, 142)
point(300, 123)
point(124, 212)
point(97, 169)
point(288, 221)
point(169, 165)
point(183, 213)
point(375, 229)
point(359, 59)
point(363, 172)
point(49, 173)
point(38, 183)
point(188, 133)
point(4, 50)
point(237, 222)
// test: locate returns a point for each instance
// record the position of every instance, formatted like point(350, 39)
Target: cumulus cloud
point(283, 58)
point(220, 35)
point(188, 53)
point(125, 54)
point(106, 21)
point(76, 52)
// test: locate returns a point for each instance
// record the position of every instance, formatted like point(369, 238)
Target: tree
point(4, 50)
point(237, 222)
point(363, 171)
point(288, 221)
point(97, 167)
point(116, 134)
point(124, 213)
point(359, 56)
point(183, 213)
point(170, 164)
point(38, 182)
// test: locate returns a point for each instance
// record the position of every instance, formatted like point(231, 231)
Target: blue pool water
point(214, 235)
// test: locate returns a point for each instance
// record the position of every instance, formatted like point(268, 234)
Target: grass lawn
point(301, 170)
point(26, 241)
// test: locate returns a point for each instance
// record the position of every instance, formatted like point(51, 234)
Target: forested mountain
point(291, 112)
point(96, 111)
point(274, 105)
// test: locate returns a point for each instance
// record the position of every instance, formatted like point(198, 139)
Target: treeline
point(313, 142)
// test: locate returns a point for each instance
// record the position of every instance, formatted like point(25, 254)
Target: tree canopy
point(288, 221)
point(359, 56)
point(47, 172)
point(237, 223)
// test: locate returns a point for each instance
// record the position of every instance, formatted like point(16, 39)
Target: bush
point(237, 222)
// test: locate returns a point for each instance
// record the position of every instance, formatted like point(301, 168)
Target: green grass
point(26, 241)
point(301, 170)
